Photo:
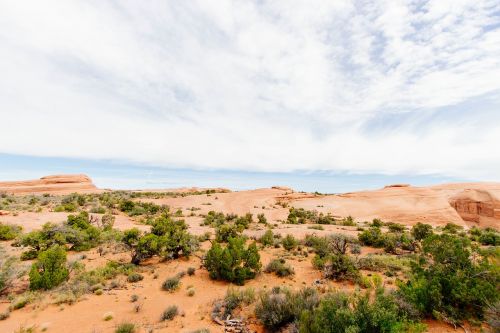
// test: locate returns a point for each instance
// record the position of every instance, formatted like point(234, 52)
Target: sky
point(331, 95)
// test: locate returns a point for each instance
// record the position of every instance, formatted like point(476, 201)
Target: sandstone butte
point(466, 204)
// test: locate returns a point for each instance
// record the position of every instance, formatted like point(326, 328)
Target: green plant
point(168, 238)
point(125, 328)
point(49, 270)
point(452, 280)
point(280, 267)
point(421, 231)
point(134, 277)
point(169, 313)
point(267, 238)
point(9, 232)
point(340, 267)
point(340, 312)
point(234, 262)
point(171, 284)
point(261, 218)
point(191, 270)
point(289, 242)
point(282, 306)
point(226, 231)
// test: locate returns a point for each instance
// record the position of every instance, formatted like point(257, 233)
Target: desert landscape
point(118, 278)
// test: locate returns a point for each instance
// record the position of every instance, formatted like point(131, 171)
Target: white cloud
point(269, 86)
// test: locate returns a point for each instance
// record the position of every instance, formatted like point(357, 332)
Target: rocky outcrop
point(473, 204)
point(49, 184)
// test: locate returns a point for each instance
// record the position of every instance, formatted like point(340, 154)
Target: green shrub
point(226, 231)
point(280, 267)
point(396, 227)
point(9, 232)
point(452, 279)
point(49, 270)
point(234, 262)
point(340, 312)
point(289, 242)
point(452, 228)
point(372, 237)
point(125, 328)
point(235, 298)
point(377, 223)
point(348, 221)
point(261, 218)
point(421, 231)
point(214, 219)
point(168, 238)
point(171, 284)
point(340, 267)
point(268, 238)
point(169, 313)
point(135, 277)
point(191, 271)
point(490, 238)
point(281, 306)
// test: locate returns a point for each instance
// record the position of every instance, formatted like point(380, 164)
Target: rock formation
point(50, 184)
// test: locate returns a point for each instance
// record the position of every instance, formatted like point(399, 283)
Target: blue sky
point(318, 94)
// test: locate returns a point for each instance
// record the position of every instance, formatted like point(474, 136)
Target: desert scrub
point(168, 238)
point(233, 299)
point(49, 270)
point(24, 299)
point(280, 267)
point(190, 292)
point(135, 277)
point(267, 238)
point(234, 262)
point(281, 306)
point(9, 231)
point(170, 313)
point(4, 315)
point(107, 316)
point(289, 242)
point(171, 284)
point(191, 270)
point(134, 298)
point(125, 328)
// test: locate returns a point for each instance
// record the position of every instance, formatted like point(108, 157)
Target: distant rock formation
point(49, 184)
point(473, 204)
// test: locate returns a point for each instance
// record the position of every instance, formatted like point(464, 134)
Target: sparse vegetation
point(279, 267)
point(49, 270)
point(168, 238)
point(452, 280)
point(171, 284)
point(170, 313)
point(9, 232)
point(125, 328)
point(234, 262)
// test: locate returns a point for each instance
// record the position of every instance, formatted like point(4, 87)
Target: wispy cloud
point(269, 86)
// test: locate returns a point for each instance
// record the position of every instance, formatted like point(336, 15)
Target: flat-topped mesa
point(49, 184)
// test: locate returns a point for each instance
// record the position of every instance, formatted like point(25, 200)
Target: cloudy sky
point(409, 88)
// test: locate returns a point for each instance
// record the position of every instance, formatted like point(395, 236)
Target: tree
point(452, 280)
point(168, 238)
point(421, 231)
point(340, 267)
point(233, 263)
point(49, 270)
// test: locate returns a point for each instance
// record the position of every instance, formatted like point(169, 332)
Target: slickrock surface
point(50, 184)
